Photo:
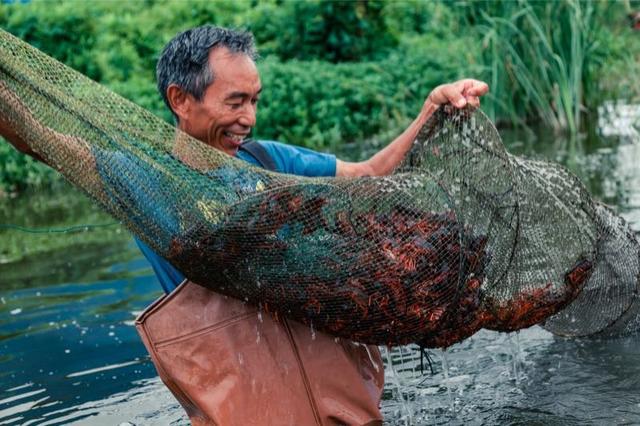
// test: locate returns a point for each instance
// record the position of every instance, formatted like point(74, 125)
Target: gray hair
point(185, 59)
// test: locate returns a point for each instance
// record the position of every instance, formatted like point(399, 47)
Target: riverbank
point(335, 73)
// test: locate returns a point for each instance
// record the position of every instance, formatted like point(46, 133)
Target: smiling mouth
point(235, 137)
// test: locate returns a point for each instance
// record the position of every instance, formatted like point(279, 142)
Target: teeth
point(237, 138)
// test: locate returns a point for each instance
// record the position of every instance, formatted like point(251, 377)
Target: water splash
point(375, 364)
point(445, 370)
point(517, 355)
point(407, 417)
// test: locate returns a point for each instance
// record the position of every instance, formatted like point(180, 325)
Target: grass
point(539, 57)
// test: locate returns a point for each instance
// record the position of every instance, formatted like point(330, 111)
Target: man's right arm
point(459, 94)
point(69, 155)
point(7, 131)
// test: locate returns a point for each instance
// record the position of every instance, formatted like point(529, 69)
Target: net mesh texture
point(462, 236)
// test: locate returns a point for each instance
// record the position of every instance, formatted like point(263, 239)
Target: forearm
point(387, 159)
point(18, 143)
point(459, 94)
point(70, 155)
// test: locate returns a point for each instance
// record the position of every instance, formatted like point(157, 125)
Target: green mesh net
point(462, 236)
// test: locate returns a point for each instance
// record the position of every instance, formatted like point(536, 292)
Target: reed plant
point(540, 58)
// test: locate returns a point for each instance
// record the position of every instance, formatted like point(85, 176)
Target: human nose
point(248, 116)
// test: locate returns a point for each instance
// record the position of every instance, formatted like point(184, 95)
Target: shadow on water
point(69, 353)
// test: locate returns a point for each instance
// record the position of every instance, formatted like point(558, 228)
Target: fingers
point(474, 101)
point(455, 94)
point(478, 89)
point(460, 94)
point(473, 87)
point(448, 93)
point(472, 90)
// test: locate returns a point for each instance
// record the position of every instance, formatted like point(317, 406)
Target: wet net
point(462, 236)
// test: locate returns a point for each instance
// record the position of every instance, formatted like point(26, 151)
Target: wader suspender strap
point(259, 152)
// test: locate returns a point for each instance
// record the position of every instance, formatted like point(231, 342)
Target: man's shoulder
point(297, 160)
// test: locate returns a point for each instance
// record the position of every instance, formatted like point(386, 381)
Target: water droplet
point(313, 331)
point(375, 364)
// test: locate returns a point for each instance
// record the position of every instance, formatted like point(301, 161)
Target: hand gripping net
point(463, 236)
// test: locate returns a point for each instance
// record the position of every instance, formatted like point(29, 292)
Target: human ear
point(179, 100)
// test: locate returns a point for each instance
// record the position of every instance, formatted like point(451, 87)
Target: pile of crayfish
point(393, 277)
point(526, 308)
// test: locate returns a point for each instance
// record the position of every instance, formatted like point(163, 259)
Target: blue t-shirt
point(288, 159)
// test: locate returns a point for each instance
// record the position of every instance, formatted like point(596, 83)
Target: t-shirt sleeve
point(300, 161)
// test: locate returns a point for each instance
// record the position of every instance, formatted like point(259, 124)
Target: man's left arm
point(459, 94)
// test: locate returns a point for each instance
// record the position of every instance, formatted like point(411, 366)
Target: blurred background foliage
point(354, 72)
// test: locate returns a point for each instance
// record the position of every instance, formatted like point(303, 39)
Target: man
point(226, 362)
point(208, 78)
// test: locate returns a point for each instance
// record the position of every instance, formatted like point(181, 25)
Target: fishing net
point(462, 236)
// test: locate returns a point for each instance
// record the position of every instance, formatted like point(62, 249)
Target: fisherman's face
point(227, 112)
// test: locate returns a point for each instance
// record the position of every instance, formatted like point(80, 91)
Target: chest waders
point(228, 363)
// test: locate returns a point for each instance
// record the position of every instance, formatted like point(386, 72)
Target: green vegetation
point(548, 50)
point(353, 72)
point(17, 170)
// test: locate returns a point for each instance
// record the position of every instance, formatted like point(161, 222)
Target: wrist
point(427, 111)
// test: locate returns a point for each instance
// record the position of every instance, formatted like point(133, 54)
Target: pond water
point(69, 353)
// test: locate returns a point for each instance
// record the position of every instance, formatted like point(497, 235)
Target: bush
point(339, 31)
point(19, 171)
point(312, 103)
point(321, 105)
point(336, 72)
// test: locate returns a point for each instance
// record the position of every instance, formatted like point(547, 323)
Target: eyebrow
point(235, 95)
